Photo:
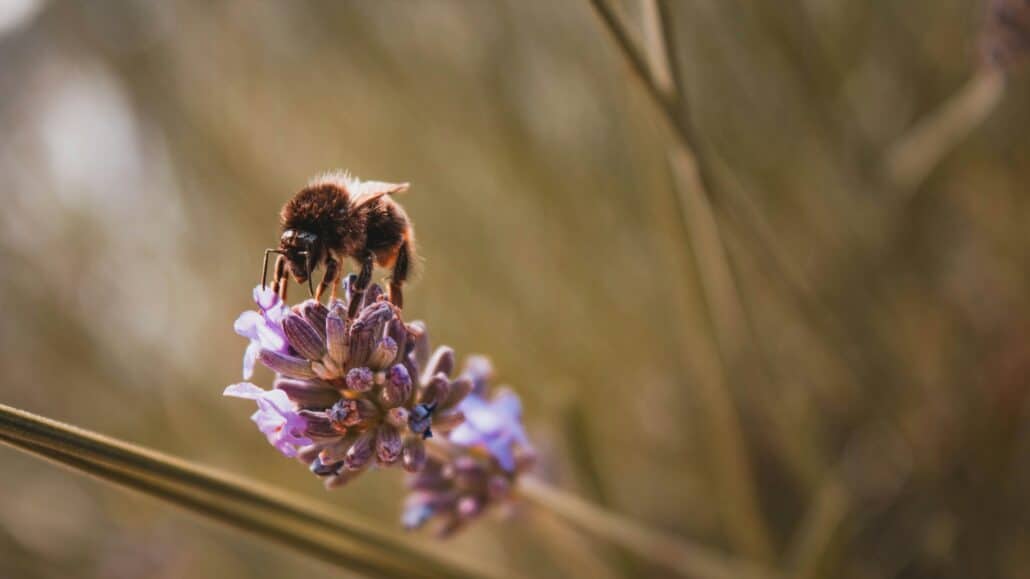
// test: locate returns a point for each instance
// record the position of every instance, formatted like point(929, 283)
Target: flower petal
point(508, 404)
point(248, 323)
point(244, 390)
point(250, 356)
point(265, 297)
point(465, 435)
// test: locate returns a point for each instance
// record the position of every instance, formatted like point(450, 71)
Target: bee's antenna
point(307, 268)
point(264, 266)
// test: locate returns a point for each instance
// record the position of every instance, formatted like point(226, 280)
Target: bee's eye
point(306, 237)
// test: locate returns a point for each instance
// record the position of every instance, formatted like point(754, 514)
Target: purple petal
point(484, 419)
point(504, 452)
point(244, 390)
point(268, 421)
point(248, 323)
point(265, 297)
point(276, 417)
point(250, 356)
point(508, 404)
point(465, 435)
point(279, 400)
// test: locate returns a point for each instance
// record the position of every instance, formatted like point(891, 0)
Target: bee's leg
point(264, 266)
point(357, 293)
point(279, 279)
point(331, 278)
point(399, 275)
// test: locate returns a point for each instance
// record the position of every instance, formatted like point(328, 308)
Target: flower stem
point(338, 538)
point(677, 554)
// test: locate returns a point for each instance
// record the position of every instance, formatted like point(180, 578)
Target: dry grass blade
point(724, 313)
point(687, 559)
point(911, 159)
point(653, 83)
point(337, 538)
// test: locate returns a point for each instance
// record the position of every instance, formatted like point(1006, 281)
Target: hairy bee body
point(336, 217)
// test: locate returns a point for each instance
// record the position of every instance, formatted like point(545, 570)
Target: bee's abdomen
point(386, 227)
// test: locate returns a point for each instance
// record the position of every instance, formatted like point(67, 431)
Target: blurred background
point(815, 367)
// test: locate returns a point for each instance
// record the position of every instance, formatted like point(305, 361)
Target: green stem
point(338, 538)
point(677, 554)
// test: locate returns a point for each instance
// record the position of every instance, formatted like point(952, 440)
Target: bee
point(336, 217)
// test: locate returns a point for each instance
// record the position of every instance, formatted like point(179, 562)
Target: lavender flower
point(494, 426)
point(366, 388)
point(276, 417)
point(479, 465)
point(263, 328)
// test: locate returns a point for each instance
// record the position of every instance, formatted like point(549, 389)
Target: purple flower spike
point(346, 390)
point(276, 417)
point(263, 328)
point(494, 425)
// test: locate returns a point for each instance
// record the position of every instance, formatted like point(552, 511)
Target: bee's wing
point(367, 191)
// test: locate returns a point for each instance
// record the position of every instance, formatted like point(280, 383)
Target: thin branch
point(722, 306)
point(913, 157)
point(665, 101)
point(830, 507)
point(655, 37)
point(688, 559)
point(337, 537)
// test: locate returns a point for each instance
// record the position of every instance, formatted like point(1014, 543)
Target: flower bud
point(442, 362)
point(417, 332)
point(449, 421)
point(459, 389)
point(336, 335)
point(303, 337)
point(359, 379)
point(388, 444)
point(290, 366)
point(308, 393)
point(413, 457)
point(397, 388)
point(318, 426)
point(436, 390)
point(361, 452)
point(315, 314)
point(383, 354)
point(397, 331)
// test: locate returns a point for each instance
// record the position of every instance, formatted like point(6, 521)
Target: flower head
point(366, 388)
point(494, 426)
point(478, 466)
point(262, 327)
point(276, 417)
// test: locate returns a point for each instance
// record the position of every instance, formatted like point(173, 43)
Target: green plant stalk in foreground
point(338, 538)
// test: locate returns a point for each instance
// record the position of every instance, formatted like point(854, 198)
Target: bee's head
point(302, 250)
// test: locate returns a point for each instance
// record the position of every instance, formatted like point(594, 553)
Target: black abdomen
point(386, 227)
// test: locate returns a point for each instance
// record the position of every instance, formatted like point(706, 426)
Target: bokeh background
point(813, 368)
